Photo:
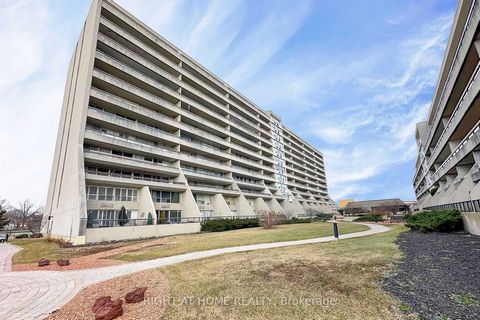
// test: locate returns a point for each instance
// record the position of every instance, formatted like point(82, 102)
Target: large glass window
point(111, 194)
point(169, 216)
point(203, 199)
point(165, 196)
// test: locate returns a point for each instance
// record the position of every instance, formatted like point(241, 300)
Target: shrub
point(441, 221)
point(229, 224)
point(296, 220)
point(36, 235)
point(22, 236)
point(62, 243)
point(323, 216)
point(270, 219)
point(370, 217)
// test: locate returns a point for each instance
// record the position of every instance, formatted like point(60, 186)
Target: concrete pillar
point(476, 156)
point(220, 206)
point(462, 170)
point(450, 178)
point(275, 206)
point(442, 184)
point(145, 204)
point(261, 206)
point(445, 121)
point(190, 207)
point(243, 207)
point(453, 144)
point(477, 46)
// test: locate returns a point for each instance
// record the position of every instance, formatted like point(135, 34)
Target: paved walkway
point(35, 294)
point(6, 253)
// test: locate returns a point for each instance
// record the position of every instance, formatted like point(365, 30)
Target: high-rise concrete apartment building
point(447, 170)
point(145, 127)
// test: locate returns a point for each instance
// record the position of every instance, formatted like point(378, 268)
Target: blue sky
point(351, 77)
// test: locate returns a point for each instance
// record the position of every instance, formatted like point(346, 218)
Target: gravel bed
point(439, 275)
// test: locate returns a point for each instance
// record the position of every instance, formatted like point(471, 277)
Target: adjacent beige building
point(145, 127)
point(447, 170)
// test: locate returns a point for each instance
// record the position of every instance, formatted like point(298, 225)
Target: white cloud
point(265, 40)
point(33, 63)
point(364, 104)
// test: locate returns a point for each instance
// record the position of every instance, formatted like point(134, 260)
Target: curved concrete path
point(35, 294)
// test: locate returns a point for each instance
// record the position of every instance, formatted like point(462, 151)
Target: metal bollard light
point(335, 231)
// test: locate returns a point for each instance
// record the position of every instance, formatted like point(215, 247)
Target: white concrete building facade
point(145, 127)
point(448, 165)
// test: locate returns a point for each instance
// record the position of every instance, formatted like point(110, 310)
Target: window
point(165, 196)
point(92, 193)
point(203, 199)
point(111, 194)
point(169, 216)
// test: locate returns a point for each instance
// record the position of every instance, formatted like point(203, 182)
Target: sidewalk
point(35, 294)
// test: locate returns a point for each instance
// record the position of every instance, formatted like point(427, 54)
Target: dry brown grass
point(339, 277)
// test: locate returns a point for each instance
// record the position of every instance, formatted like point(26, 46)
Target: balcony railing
point(128, 158)
point(454, 62)
point(133, 177)
point(455, 113)
point(464, 206)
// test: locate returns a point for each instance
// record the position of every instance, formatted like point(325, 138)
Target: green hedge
point(296, 220)
point(442, 221)
point(229, 224)
point(370, 217)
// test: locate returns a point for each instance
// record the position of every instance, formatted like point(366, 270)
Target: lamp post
point(335, 231)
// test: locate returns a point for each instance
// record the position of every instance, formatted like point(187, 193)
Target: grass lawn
point(36, 249)
point(205, 241)
point(340, 278)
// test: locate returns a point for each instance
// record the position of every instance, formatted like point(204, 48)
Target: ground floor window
point(165, 196)
point(169, 216)
point(206, 214)
point(102, 193)
point(107, 218)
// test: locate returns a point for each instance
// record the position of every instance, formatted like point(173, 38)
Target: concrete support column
point(445, 121)
point(476, 157)
point(261, 206)
point(275, 206)
point(450, 178)
point(442, 184)
point(453, 144)
point(145, 204)
point(462, 170)
point(243, 207)
point(220, 206)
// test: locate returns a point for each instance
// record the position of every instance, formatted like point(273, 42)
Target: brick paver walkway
point(6, 253)
point(35, 294)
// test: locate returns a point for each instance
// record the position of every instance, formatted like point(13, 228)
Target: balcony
point(117, 139)
point(465, 103)
point(252, 185)
point(206, 176)
point(258, 194)
point(120, 180)
point(211, 189)
point(467, 38)
point(129, 163)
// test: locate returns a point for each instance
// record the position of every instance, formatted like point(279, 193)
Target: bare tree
point(27, 216)
point(3, 213)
